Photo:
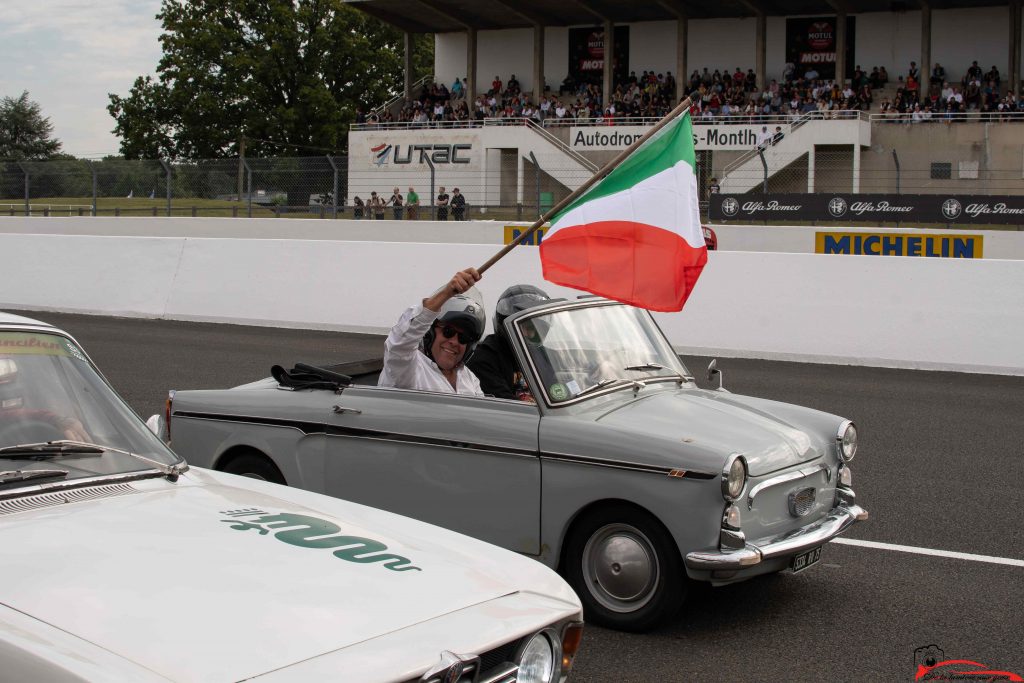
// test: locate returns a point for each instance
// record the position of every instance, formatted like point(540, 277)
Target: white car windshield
point(579, 351)
point(50, 393)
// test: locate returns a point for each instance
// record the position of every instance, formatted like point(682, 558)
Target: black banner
point(811, 43)
point(869, 208)
point(586, 55)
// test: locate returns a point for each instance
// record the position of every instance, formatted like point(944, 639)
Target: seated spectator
point(938, 74)
point(738, 78)
point(875, 78)
point(811, 74)
point(883, 76)
point(513, 86)
point(751, 81)
point(789, 71)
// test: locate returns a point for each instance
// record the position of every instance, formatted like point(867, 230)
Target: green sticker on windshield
point(558, 392)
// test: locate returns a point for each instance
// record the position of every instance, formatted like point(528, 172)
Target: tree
point(25, 134)
point(286, 74)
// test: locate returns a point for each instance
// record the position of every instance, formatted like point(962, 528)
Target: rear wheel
point(252, 463)
point(626, 569)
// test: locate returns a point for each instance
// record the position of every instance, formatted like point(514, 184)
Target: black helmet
point(464, 312)
point(514, 299)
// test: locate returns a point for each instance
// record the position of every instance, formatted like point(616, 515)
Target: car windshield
point(579, 351)
point(49, 392)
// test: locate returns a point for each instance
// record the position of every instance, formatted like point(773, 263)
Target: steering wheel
point(28, 431)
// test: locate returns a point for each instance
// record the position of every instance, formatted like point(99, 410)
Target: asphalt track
point(940, 467)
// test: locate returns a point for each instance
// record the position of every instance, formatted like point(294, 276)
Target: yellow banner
point(29, 344)
point(512, 232)
point(931, 244)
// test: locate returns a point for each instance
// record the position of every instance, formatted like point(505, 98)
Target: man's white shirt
point(407, 367)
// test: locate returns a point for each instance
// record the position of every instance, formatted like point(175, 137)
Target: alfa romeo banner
point(871, 208)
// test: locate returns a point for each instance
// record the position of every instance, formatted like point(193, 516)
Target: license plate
point(805, 560)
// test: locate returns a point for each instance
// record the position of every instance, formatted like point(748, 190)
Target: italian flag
point(636, 235)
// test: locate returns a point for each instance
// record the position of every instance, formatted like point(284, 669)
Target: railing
point(795, 125)
point(948, 117)
point(537, 128)
point(379, 111)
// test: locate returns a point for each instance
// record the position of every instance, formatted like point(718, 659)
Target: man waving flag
point(635, 236)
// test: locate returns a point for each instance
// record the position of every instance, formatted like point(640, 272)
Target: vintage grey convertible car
point(625, 475)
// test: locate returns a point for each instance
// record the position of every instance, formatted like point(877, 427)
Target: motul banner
point(587, 53)
point(811, 43)
point(871, 208)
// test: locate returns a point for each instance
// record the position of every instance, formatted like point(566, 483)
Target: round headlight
point(734, 477)
point(537, 664)
point(847, 439)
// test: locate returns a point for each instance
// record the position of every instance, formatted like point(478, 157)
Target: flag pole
point(604, 171)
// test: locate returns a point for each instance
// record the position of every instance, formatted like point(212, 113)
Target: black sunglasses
point(448, 331)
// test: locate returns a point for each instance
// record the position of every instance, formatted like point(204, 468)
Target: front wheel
point(626, 569)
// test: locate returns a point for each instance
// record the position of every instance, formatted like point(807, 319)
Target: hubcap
point(620, 567)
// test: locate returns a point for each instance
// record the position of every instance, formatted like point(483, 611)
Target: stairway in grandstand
point(565, 165)
point(747, 172)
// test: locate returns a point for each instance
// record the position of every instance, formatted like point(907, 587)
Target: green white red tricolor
point(636, 235)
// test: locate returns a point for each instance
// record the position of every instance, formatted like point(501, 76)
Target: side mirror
point(156, 425)
point(714, 372)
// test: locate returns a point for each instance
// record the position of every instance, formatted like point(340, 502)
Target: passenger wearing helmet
point(494, 362)
point(428, 347)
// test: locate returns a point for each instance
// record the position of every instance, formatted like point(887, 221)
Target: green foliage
point(25, 134)
point(286, 74)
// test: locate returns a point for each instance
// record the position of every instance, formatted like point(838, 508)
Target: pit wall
point(997, 244)
point(941, 314)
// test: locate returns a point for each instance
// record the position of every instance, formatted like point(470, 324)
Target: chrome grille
point(494, 666)
point(45, 500)
point(801, 502)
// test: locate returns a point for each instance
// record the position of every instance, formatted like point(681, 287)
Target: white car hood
point(180, 580)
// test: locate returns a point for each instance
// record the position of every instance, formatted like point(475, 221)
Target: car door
point(465, 463)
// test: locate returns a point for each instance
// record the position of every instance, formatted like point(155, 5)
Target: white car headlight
point(537, 663)
point(847, 441)
point(734, 477)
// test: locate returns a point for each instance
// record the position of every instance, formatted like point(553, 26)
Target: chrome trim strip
point(784, 479)
point(622, 465)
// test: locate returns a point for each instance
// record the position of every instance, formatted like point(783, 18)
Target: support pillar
point(407, 67)
point(682, 71)
point(841, 50)
point(810, 170)
point(471, 91)
point(1013, 72)
point(760, 46)
point(925, 68)
point(856, 169)
point(609, 57)
point(538, 63)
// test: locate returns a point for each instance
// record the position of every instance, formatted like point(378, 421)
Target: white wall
point(960, 36)
point(721, 44)
point(652, 47)
point(949, 314)
point(450, 57)
point(556, 56)
point(503, 53)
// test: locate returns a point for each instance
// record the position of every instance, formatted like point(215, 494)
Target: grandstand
point(516, 112)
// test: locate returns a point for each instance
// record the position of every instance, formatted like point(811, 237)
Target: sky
point(70, 54)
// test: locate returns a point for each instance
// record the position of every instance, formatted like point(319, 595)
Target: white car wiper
point(645, 366)
point(65, 446)
point(600, 385)
point(7, 476)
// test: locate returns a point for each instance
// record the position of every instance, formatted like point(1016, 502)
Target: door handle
point(343, 409)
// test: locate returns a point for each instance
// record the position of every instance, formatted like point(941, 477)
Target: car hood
point(709, 425)
point(207, 580)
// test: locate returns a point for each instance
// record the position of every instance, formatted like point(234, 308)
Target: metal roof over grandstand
point(444, 16)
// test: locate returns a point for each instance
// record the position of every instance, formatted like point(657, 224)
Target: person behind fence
point(375, 208)
point(494, 362)
point(357, 207)
point(396, 201)
point(412, 204)
point(458, 204)
point(442, 204)
point(429, 346)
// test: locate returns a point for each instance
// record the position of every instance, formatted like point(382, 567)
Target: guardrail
point(397, 98)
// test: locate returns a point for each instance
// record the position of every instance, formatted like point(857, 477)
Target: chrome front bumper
point(791, 543)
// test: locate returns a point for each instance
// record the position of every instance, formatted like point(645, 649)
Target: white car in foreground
point(122, 563)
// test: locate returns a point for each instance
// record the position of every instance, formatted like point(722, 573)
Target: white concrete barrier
point(951, 314)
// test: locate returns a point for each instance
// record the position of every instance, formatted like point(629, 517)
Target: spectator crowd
point(408, 206)
point(718, 94)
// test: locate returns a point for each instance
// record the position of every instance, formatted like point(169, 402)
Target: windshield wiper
point(65, 446)
point(600, 385)
point(7, 476)
point(645, 366)
point(45, 448)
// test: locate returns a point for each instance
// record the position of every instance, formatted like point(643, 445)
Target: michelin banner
point(870, 208)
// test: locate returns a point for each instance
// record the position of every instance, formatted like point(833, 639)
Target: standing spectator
point(458, 204)
point(883, 76)
point(442, 205)
point(993, 75)
point(377, 206)
point(938, 74)
point(412, 202)
point(396, 202)
point(913, 72)
point(763, 138)
point(457, 91)
point(513, 86)
point(777, 135)
point(357, 207)
point(496, 86)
